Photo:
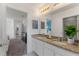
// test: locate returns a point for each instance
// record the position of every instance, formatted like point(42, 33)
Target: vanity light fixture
point(45, 8)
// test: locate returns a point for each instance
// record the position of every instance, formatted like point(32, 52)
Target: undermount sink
point(42, 37)
point(59, 43)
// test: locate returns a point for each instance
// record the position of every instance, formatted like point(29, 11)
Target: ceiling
point(32, 8)
point(29, 7)
point(24, 6)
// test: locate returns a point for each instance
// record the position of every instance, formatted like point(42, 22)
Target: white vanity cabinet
point(45, 49)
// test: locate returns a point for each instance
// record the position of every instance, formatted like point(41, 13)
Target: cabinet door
point(52, 50)
point(34, 45)
point(38, 47)
point(63, 52)
point(48, 50)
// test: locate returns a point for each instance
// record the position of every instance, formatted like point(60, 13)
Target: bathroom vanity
point(43, 46)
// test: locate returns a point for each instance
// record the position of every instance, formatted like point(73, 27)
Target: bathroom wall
point(10, 28)
point(3, 36)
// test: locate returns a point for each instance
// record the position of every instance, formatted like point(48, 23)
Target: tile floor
point(16, 48)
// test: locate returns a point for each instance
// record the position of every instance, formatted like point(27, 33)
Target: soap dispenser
point(49, 33)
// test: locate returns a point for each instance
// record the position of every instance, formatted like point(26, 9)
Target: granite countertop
point(54, 41)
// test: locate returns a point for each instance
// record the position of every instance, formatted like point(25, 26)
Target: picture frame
point(35, 24)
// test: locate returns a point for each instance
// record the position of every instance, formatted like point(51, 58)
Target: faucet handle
point(60, 38)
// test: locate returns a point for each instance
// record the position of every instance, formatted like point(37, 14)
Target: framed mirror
point(35, 24)
point(42, 25)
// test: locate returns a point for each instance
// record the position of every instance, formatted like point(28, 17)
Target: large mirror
point(73, 20)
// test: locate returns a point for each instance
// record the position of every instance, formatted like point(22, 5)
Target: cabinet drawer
point(38, 47)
